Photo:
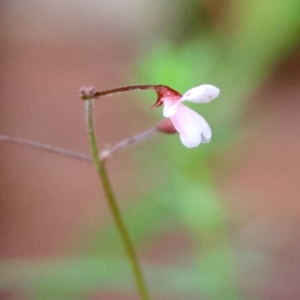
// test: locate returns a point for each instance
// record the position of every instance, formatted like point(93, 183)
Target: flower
point(192, 128)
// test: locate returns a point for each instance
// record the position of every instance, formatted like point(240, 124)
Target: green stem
point(111, 199)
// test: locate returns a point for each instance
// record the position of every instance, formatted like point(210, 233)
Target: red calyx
point(164, 91)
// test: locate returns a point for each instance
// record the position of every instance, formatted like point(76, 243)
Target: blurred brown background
point(48, 51)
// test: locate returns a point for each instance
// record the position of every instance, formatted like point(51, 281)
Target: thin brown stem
point(138, 138)
point(126, 89)
point(45, 147)
point(104, 155)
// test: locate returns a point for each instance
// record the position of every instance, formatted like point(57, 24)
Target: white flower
point(192, 128)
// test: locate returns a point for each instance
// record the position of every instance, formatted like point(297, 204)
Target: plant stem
point(111, 199)
point(46, 147)
point(138, 138)
point(105, 154)
point(125, 89)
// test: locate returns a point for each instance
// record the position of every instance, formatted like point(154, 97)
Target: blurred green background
point(216, 222)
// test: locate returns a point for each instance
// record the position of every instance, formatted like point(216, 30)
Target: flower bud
point(166, 126)
point(86, 93)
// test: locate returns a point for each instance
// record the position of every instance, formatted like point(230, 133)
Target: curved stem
point(111, 199)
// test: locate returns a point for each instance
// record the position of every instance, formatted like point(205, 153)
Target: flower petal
point(184, 122)
point(201, 94)
point(170, 107)
point(203, 126)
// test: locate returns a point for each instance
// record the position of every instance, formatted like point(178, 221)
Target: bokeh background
point(220, 221)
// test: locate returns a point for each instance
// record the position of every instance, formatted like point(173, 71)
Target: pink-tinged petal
point(202, 125)
point(184, 122)
point(170, 107)
point(201, 94)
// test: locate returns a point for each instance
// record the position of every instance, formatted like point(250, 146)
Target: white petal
point(201, 94)
point(184, 122)
point(170, 107)
point(202, 125)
